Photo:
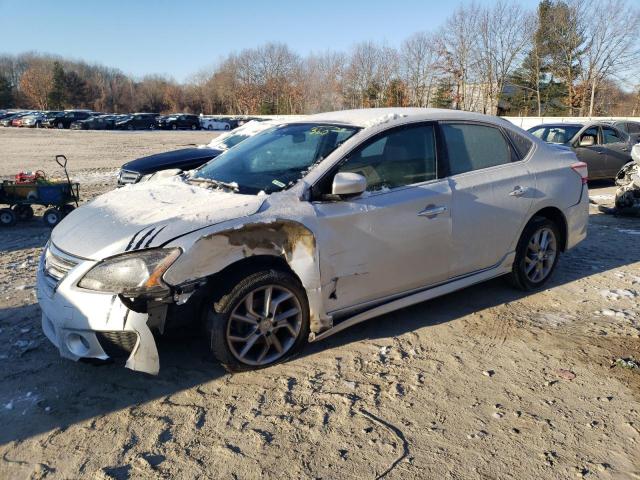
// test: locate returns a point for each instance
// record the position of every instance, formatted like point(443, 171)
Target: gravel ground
point(482, 383)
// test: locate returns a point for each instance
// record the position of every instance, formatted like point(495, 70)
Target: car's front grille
point(117, 344)
point(127, 176)
point(57, 263)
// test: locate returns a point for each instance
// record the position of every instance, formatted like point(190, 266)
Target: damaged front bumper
point(87, 324)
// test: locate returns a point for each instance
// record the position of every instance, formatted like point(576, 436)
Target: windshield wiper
point(219, 183)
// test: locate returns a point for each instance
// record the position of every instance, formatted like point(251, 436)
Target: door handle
point(432, 211)
point(518, 191)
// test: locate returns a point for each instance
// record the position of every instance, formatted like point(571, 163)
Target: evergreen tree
point(6, 93)
point(443, 97)
point(57, 93)
point(75, 90)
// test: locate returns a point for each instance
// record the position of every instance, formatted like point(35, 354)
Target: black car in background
point(66, 118)
point(137, 121)
point(630, 128)
point(604, 148)
point(97, 122)
point(179, 121)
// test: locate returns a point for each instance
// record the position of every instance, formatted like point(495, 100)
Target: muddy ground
point(483, 383)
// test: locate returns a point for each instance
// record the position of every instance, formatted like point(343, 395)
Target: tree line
point(568, 57)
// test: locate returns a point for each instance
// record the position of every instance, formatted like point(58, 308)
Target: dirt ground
point(483, 383)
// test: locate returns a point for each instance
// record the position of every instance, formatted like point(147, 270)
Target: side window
point(610, 135)
point(633, 127)
point(591, 132)
point(520, 142)
point(401, 157)
point(473, 147)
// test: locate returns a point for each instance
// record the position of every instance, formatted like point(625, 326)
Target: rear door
point(618, 149)
point(492, 192)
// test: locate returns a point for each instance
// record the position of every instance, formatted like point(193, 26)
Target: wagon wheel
point(7, 217)
point(23, 212)
point(52, 217)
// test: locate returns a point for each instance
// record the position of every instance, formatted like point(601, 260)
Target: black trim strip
point(154, 236)
point(143, 238)
point(133, 239)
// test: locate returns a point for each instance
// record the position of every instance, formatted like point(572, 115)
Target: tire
point(194, 127)
point(227, 127)
point(130, 127)
point(529, 272)
point(7, 217)
point(52, 217)
point(209, 127)
point(67, 209)
point(152, 127)
point(270, 343)
point(174, 127)
point(23, 212)
point(60, 125)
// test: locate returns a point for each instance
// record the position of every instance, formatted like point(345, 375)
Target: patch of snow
point(382, 119)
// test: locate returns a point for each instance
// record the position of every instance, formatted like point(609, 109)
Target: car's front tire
point(537, 254)
point(258, 321)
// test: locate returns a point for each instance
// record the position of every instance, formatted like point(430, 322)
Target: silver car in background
point(306, 229)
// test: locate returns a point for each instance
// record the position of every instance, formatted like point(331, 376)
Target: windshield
point(559, 134)
point(275, 159)
point(231, 141)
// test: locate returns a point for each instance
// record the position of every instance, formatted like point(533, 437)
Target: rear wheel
point(536, 255)
point(194, 127)
point(23, 212)
point(7, 217)
point(52, 217)
point(260, 321)
point(60, 125)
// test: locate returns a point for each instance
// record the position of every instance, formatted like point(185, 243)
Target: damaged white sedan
point(308, 228)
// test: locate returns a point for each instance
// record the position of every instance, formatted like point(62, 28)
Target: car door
point(617, 150)
point(396, 236)
point(492, 192)
point(594, 155)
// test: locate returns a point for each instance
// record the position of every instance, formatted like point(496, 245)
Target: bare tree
point(611, 44)
point(419, 63)
point(505, 31)
point(35, 84)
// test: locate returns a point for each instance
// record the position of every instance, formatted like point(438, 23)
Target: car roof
point(374, 116)
point(561, 124)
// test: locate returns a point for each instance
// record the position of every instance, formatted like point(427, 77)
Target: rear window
point(521, 143)
point(474, 147)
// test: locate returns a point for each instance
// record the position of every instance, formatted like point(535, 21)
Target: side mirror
point(348, 184)
point(587, 141)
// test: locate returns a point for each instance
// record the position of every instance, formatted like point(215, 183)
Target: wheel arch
point(556, 216)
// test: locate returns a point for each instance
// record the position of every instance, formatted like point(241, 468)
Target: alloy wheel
point(541, 254)
point(265, 325)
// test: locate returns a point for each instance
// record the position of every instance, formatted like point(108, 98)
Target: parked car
point(184, 159)
point(97, 122)
point(179, 121)
point(629, 127)
point(9, 119)
point(34, 120)
point(604, 148)
point(214, 124)
point(137, 121)
point(66, 118)
point(309, 228)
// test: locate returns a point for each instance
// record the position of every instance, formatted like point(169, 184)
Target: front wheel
point(60, 125)
point(536, 255)
point(262, 320)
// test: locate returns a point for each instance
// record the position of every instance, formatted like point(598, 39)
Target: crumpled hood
point(147, 215)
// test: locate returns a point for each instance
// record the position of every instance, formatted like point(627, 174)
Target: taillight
point(581, 169)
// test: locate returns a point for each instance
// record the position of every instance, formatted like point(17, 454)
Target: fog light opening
point(77, 344)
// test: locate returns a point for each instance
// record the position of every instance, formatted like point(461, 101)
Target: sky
point(181, 37)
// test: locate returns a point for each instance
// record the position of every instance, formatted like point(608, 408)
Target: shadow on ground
point(77, 392)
